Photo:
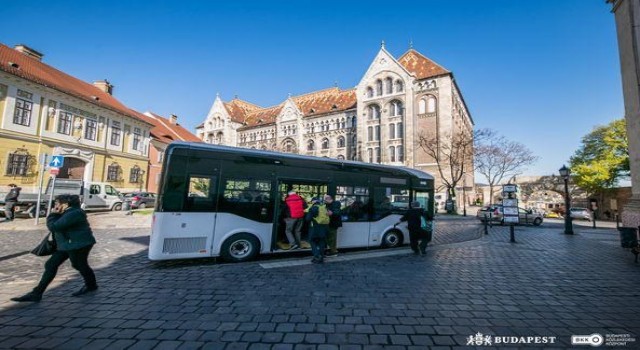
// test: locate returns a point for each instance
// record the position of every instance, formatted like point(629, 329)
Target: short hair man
point(335, 217)
point(10, 201)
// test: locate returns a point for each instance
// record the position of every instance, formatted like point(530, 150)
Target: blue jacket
point(71, 229)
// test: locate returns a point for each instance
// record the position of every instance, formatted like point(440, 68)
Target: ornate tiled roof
point(164, 130)
point(420, 66)
point(32, 69)
point(239, 109)
point(311, 104)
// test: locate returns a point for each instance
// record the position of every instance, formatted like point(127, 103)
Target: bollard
point(486, 225)
point(512, 233)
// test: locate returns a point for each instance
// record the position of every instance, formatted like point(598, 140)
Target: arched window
point(374, 112)
point(389, 85)
point(370, 133)
point(431, 104)
point(397, 108)
point(378, 87)
point(311, 145)
point(341, 142)
point(264, 148)
point(369, 92)
point(341, 157)
point(399, 131)
point(422, 106)
point(377, 154)
point(325, 143)
point(392, 154)
point(289, 145)
point(392, 131)
point(400, 151)
point(399, 86)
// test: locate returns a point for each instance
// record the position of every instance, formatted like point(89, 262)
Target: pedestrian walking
point(318, 219)
point(10, 201)
point(418, 236)
point(74, 240)
point(335, 222)
point(293, 218)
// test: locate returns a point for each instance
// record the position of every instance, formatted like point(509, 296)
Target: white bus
point(217, 201)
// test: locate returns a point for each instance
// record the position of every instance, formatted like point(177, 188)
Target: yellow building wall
point(8, 146)
point(126, 164)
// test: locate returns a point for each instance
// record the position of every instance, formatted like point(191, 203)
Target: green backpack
point(323, 217)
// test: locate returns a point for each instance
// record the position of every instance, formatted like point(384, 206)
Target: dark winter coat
point(71, 229)
point(412, 217)
point(13, 194)
point(335, 220)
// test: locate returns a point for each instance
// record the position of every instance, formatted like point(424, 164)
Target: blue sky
point(543, 73)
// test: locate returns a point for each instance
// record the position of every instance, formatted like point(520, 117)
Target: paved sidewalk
point(102, 219)
point(547, 284)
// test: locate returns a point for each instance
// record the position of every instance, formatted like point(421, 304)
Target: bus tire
point(240, 247)
point(32, 212)
point(392, 239)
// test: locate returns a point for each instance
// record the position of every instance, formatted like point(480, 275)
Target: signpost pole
point(510, 208)
point(43, 162)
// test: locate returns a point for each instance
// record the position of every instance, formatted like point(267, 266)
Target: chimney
point(104, 85)
point(26, 50)
point(173, 119)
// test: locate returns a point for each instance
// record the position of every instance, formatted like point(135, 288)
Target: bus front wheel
point(392, 239)
point(240, 247)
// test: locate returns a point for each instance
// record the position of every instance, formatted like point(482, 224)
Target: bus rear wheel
point(240, 247)
point(392, 239)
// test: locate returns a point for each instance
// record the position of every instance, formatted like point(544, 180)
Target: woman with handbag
point(74, 240)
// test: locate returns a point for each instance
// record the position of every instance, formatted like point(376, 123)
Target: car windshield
point(578, 209)
point(128, 195)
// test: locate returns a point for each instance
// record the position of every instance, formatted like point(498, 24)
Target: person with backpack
point(10, 201)
point(417, 234)
point(335, 222)
point(318, 219)
point(293, 216)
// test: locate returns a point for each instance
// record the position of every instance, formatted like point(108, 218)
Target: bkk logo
point(481, 339)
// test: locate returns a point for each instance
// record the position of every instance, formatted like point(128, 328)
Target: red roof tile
point(239, 109)
point(164, 130)
point(420, 66)
point(38, 72)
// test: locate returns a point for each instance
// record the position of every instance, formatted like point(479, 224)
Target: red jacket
point(295, 204)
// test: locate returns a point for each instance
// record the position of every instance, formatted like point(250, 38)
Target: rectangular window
point(17, 164)
point(400, 151)
point(399, 130)
point(370, 133)
point(370, 155)
point(378, 155)
point(64, 122)
point(136, 138)
point(354, 201)
point(112, 172)
point(135, 175)
point(377, 133)
point(116, 133)
point(90, 130)
point(22, 114)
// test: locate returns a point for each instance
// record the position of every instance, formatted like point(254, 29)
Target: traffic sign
point(54, 171)
point(56, 161)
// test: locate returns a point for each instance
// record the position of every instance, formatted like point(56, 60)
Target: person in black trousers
point(74, 240)
point(416, 232)
point(10, 201)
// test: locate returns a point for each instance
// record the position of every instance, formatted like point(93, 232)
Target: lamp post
point(568, 227)
point(464, 195)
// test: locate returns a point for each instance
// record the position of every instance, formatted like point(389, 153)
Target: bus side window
point(201, 196)
point(354, 201)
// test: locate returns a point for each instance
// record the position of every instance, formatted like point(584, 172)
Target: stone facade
point(378, 121)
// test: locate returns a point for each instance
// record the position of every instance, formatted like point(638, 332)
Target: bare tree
point(453, 155)
point(497, 158)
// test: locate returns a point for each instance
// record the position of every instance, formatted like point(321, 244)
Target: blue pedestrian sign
point(56, 161)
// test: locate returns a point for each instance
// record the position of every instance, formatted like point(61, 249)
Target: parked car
point(494, 213)
point(581, 213)
point(552, 215)
point(140, 200)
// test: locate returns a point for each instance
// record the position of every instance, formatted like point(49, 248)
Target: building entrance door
point(73, 168)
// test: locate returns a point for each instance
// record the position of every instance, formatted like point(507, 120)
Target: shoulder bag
point(46, 247)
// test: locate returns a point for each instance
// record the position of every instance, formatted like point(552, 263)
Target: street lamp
point(568, 227)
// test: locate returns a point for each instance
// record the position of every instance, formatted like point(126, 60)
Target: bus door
point(305, 189)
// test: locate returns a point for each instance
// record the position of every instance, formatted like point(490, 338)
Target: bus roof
point(254, 152)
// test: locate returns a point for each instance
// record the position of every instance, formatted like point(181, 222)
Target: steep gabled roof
point(164, 130)
point(420, 66)
point(263, 116)
point(29, 68)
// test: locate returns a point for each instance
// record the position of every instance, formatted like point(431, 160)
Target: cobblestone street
point(546, 284)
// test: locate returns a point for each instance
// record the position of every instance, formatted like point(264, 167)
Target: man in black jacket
point(335, 216)
point(10, 201)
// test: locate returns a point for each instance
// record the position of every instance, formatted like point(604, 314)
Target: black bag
point(46, 247)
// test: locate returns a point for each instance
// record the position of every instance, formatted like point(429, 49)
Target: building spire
point(382, 44)
point(410, 44)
